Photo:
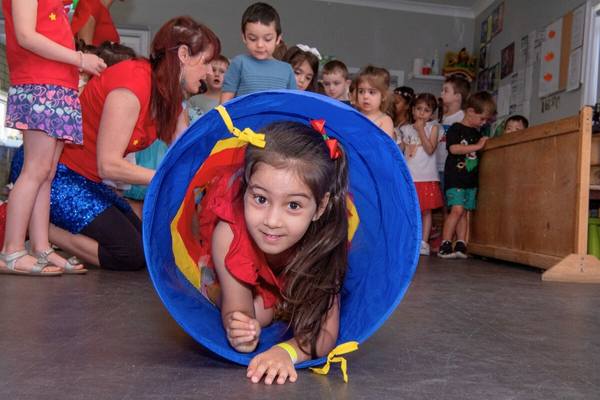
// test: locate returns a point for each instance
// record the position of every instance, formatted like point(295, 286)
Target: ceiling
point(455, 8)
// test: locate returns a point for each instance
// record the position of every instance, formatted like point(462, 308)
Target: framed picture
point(481, 80)
point(483, 57)
point(497, 19)
point(507, 60)
point(494, 77)
point(483, 35)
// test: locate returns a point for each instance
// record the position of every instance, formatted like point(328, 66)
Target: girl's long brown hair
point(167, 94)
point(315, 273)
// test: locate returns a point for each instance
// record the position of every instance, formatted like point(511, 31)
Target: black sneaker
point(460, 249)
point(445, 250)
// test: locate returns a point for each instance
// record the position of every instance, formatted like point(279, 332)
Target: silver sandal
point(36, 270)
point(68, 267)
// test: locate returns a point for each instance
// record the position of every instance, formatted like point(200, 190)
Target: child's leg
point(39, 223)
point(461, 227)
point(426, 222)
point(37, 165)
point(454, 216)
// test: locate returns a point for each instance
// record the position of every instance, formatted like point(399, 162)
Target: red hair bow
point(332, 144)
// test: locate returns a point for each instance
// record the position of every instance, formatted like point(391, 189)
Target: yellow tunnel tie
point(247, 135)
point(334, 357)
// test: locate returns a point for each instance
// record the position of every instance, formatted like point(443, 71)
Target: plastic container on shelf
point(594, 237)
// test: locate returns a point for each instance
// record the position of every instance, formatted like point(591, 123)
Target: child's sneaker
point(425, 250)
point(445, 250)
point(460, 249)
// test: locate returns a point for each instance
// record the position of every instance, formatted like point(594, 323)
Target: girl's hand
point(92, 64)
point(273, 363)
point(419, 124)
point(242, 332)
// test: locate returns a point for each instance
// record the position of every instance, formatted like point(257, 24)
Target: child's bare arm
point(25, 17)
point(86, 33)
point(330, 329)
point(276, 364)
point(387, 125)
point(237, 303)
point(429, 143)
point(470, 148)
point(226, 96)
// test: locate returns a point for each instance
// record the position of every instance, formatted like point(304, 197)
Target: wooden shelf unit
point(533, 199)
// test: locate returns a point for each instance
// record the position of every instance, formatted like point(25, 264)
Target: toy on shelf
point(460, 63)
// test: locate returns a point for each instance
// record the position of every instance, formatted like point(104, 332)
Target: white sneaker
point(424, 248)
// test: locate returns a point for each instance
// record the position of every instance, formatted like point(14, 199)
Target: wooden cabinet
point(534, 196)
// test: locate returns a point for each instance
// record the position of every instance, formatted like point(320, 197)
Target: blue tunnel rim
point(171, 157)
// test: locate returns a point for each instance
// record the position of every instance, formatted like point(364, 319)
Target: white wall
point(520, 18)
point(356, 35)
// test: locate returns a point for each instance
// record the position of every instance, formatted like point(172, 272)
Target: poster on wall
point(497, 19)
point(494, 78)
point(574, 74)
point(577, 27)
point(482, 57)
point(507, 60)
point(484, 34)
point(489, 28)
point(550, 59)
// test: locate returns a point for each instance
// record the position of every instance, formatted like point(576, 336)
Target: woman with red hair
point(125, 109)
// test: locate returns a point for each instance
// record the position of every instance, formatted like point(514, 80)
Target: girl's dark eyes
point(294, 206)
point(260, 199)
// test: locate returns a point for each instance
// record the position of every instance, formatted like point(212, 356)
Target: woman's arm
point(119, 116)
point(25, 17)
point(237, 301)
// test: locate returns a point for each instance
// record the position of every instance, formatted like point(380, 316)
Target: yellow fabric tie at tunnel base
point(334, 357)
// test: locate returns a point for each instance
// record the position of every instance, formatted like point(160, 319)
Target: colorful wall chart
point(550, 59)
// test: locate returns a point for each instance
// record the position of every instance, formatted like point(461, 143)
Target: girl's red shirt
point(223, 201)
point(26, 67)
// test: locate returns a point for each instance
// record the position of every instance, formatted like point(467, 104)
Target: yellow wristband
point(290, 350)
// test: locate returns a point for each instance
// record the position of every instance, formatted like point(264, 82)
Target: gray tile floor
point(465, 330)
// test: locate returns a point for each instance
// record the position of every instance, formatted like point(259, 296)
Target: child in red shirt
point(43, 104)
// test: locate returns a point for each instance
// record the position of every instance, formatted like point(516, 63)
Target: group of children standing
point(440, 150)
point(442, 154)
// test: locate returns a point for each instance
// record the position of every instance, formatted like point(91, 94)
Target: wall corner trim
point(421, 7)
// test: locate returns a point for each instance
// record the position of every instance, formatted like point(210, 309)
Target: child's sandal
point(68, 267)
point(36, 270)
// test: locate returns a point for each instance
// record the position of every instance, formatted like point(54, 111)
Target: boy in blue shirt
point(258, 70)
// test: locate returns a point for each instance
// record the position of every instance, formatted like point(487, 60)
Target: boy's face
point(335, 85)
point(474, 119)
point(260, 39)
point(214, 80)
point(513, 125)
point(449, 96)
